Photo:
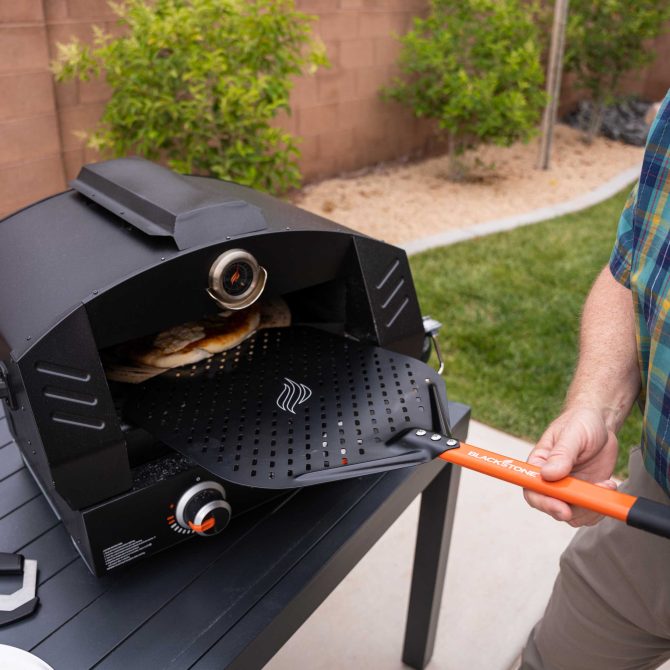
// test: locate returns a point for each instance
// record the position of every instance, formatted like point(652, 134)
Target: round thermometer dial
point(236, 280)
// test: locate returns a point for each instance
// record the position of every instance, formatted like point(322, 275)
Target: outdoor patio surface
point(502, 564)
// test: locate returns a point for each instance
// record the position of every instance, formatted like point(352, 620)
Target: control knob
point(203, 509)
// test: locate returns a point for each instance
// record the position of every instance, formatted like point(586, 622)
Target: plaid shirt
point(641, 261)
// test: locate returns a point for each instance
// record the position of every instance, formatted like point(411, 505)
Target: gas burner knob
point(203, 509)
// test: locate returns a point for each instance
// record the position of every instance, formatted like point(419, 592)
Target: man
point(610, 608)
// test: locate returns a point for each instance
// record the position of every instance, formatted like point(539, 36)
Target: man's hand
point(582, 440)
point(577, 443)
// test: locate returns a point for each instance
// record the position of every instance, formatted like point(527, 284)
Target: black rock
point(623, 121)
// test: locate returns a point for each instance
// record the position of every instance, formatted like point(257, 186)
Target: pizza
point(192, 342)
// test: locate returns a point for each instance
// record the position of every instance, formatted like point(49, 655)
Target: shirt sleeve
point(622, 253)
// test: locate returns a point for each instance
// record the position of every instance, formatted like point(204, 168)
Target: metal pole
point(553, 81)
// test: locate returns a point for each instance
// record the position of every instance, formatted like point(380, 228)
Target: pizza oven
point(134, 249)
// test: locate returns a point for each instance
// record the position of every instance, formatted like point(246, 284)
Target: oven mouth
point(289, 403)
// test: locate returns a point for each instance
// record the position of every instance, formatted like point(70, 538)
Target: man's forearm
point(607, 377)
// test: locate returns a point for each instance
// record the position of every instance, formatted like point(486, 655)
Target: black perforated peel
point(291, 407)
point(297, 406)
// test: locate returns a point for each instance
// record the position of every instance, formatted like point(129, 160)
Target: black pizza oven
point(133, 249)
point(134, 460)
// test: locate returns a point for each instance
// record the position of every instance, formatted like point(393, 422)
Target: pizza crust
point(221, 337)
point(192, 342)
point(275, 313)
point(159, 359)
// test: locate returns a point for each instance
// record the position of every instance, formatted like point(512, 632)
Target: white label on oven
point(124, 552)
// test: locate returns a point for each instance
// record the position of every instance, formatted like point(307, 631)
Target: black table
point(233, 600)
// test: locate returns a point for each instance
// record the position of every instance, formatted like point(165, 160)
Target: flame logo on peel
point(292, 395)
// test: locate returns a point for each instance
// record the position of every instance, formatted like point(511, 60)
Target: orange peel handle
point(569, 489)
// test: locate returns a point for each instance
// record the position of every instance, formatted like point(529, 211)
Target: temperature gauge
point(236, 280)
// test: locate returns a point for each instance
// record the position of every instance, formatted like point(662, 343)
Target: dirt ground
point(403, 202)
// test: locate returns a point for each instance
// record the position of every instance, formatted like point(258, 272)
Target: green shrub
point(474, 66)
point(197, 83)
point(605, 39)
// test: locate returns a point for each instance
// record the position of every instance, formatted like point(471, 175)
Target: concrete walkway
point(503, 560)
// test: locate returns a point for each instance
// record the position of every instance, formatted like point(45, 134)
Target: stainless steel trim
point(438, 353)
point(189, 493)
point(206, 509)
point(432, 327)
point(216, 291)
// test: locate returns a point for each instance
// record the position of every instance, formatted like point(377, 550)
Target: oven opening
point(193, 347)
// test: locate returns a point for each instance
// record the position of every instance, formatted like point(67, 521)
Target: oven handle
point(431, 328)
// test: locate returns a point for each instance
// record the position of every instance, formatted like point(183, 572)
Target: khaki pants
point(610, 608)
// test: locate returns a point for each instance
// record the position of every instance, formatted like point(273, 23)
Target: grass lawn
point(510, 304)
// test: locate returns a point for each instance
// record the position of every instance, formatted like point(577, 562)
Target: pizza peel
point(298, 406)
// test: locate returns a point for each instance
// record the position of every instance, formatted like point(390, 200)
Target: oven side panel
point(391, 297)
point(64, 401)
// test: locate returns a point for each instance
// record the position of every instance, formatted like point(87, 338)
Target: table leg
point(436, 518)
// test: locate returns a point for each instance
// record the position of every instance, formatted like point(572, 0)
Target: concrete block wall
point(79, 104)
point(30, 153)
point(338, 114)
point(343, 123)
